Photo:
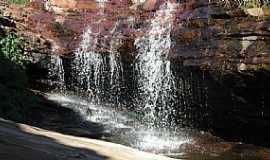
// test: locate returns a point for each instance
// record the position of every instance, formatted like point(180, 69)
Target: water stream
point(98, 74)
point(56, 74)
point(101, 3)
point(89, 66)
point(156, 81)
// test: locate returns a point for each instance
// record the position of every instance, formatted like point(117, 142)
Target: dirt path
point(23, 142)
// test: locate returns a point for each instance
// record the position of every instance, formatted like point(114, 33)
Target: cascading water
point(101, 3)
point(156, 82)
point(116, 74)
point(89, 66)
point(157, 88)
point(100, 73)
point(56, 73)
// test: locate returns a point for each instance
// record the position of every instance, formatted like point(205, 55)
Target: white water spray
point(92, 67)
point(155, 76)
point(101, 5)
point(121, 126)
point(89, 65)
point(57, 73)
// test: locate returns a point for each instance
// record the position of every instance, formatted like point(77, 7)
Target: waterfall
point(56, 73)
point(97, 70)
point(99, 73)
point(115, 64)
point(101, 3)
point(89, 65)
point(156, 81)
point(116, 76)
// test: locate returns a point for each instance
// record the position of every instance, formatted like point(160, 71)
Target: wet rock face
point(231, 105)
point(244, 114)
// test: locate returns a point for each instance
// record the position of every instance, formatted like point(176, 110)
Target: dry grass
point(248, 3)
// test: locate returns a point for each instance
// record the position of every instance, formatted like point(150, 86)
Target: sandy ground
point(23, 142)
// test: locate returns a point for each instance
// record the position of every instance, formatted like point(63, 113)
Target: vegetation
point(10, 48)
point(16, 101)
point(249, 3)
point(18, 1)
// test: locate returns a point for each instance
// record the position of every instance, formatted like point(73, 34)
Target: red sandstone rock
point(201, 31)
point(152, 4)
point(74, 4)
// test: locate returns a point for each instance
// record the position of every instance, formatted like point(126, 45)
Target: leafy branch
point(10, 48)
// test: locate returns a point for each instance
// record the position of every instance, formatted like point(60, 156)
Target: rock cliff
point(206, 34)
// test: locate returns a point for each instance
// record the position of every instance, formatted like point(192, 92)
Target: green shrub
point(15, 99)
point(10, 48)
point(18, 1)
